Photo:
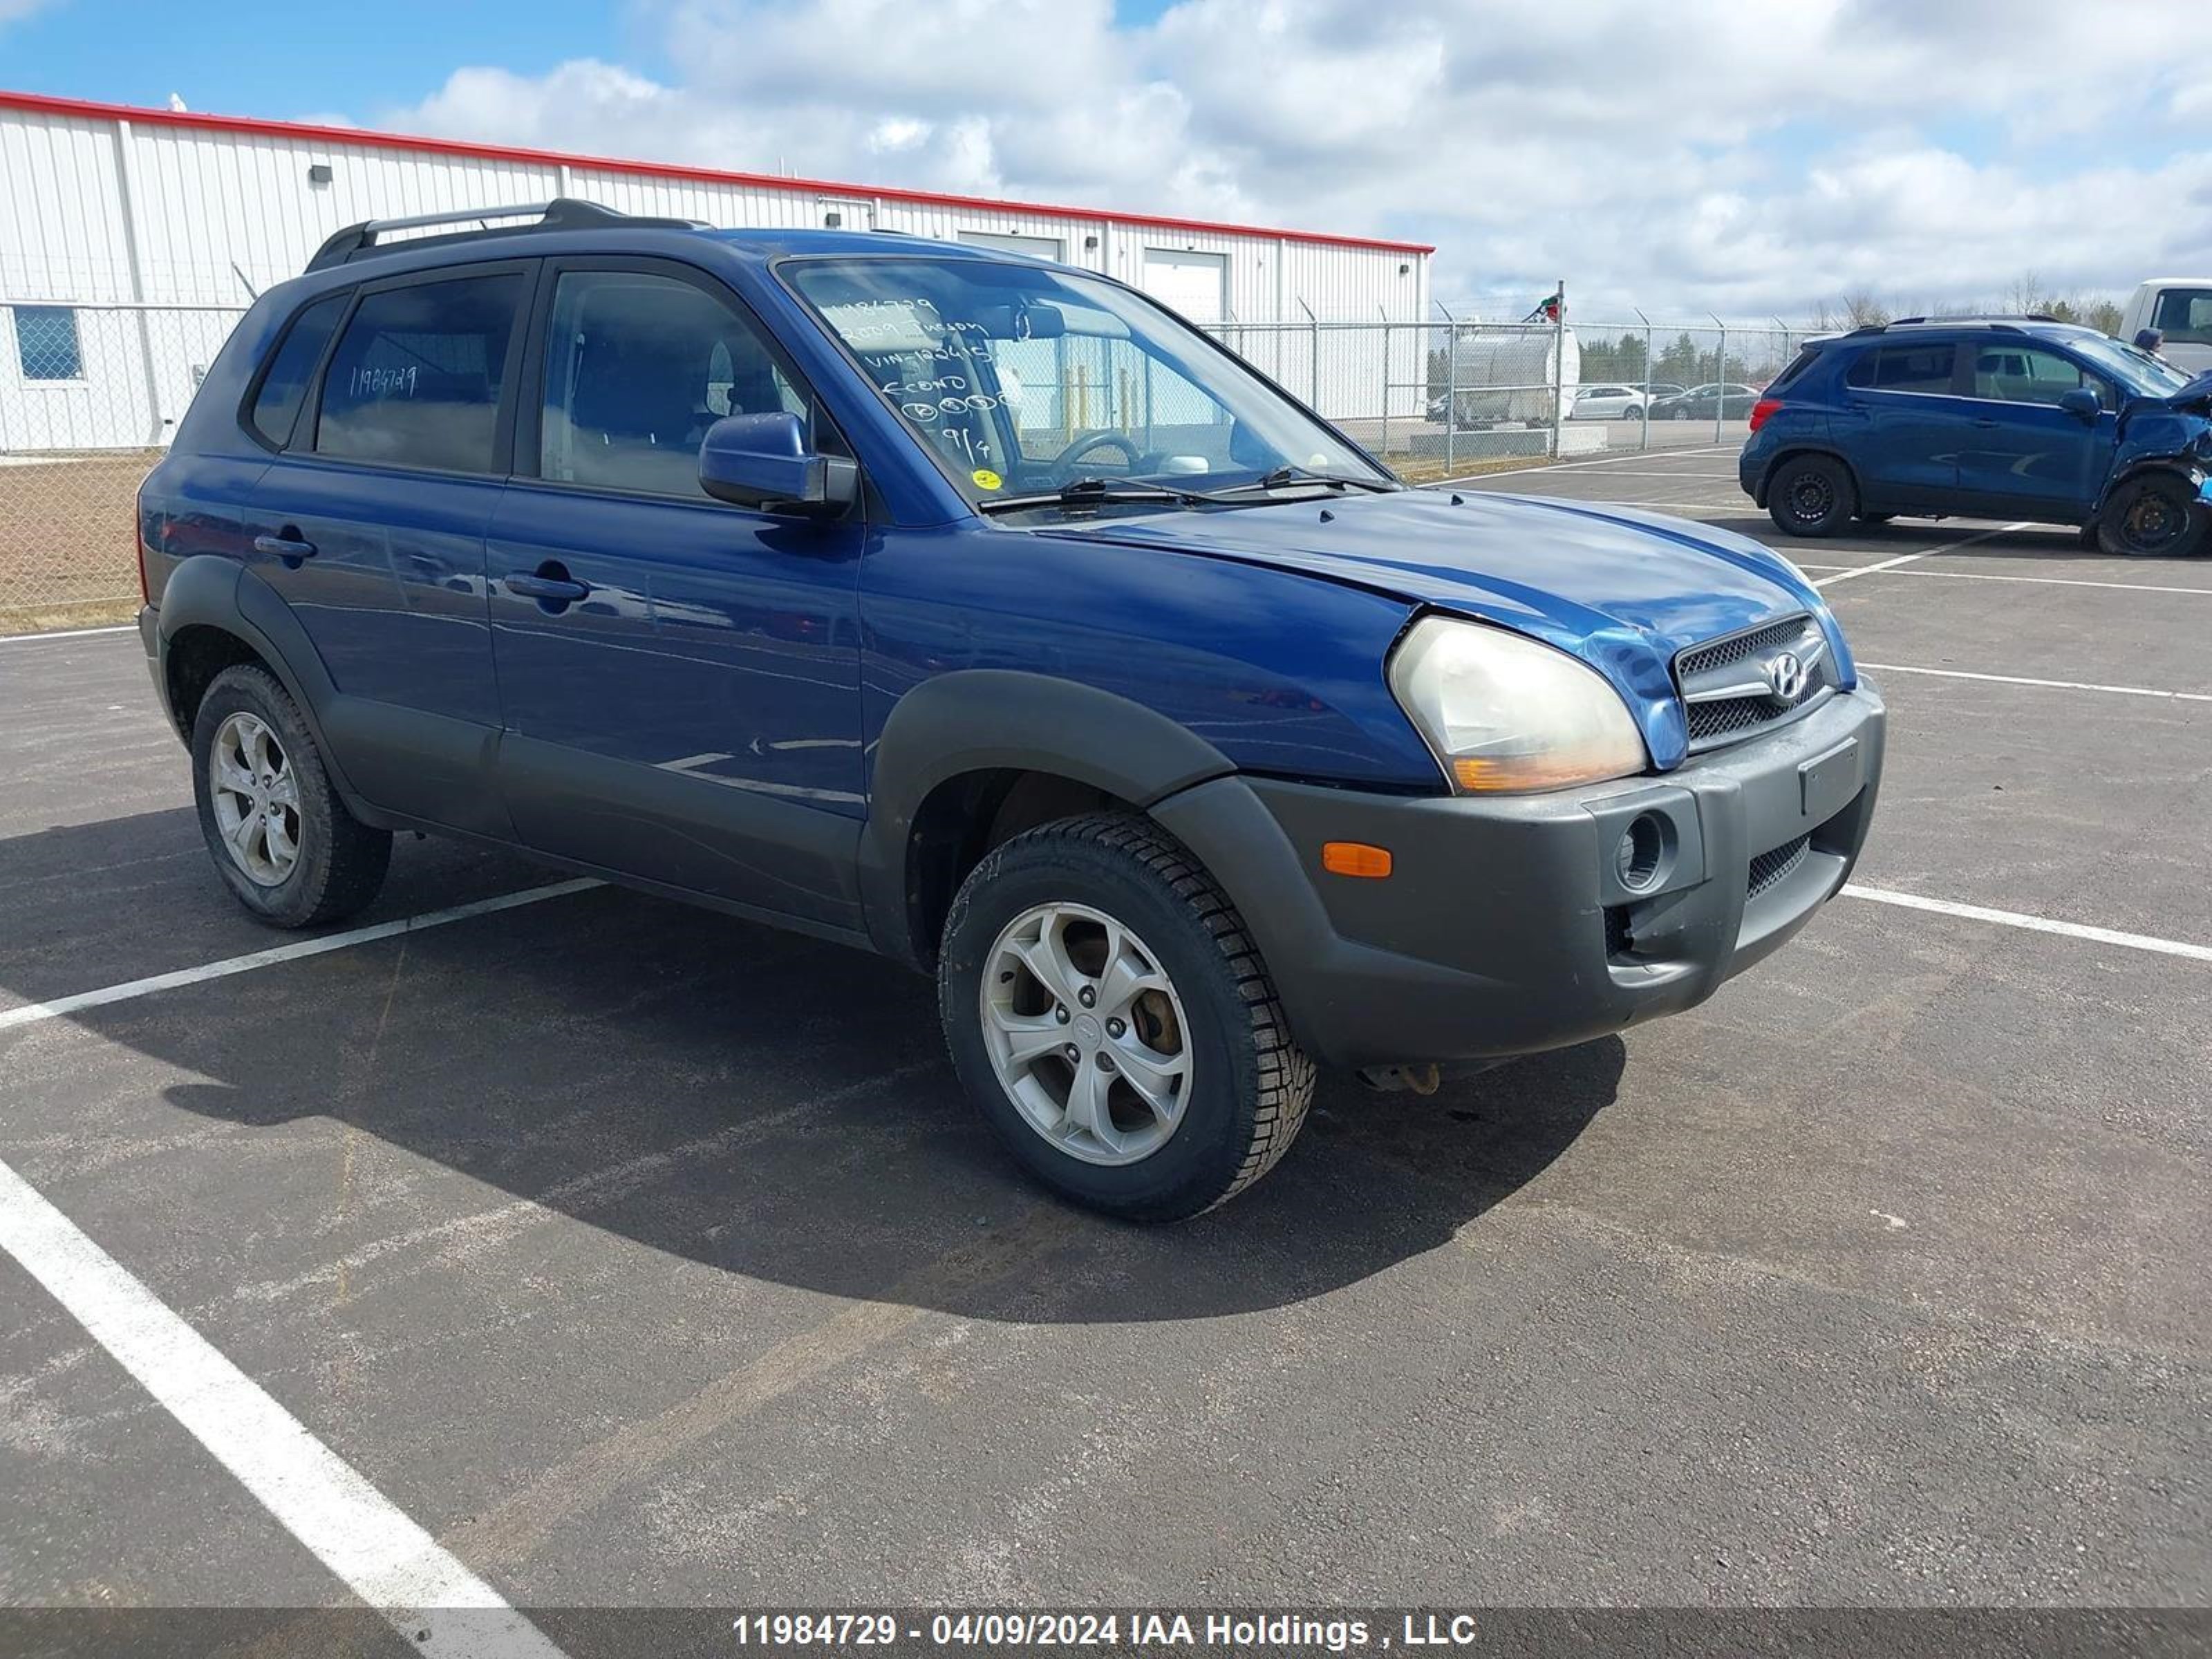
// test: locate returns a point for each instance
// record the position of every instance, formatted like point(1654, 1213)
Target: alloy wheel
point(1086, 1034)
point(257, 800)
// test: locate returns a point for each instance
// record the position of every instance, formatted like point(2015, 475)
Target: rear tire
point(1090, 956)
point(281, 840)
point(2154, 516)
point(1811, 495)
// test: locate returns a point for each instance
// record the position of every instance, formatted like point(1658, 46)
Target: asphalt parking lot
point(641, 1257)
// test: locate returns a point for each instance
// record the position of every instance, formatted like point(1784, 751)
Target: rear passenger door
point(370, 525)
point(688, 712)
point(2027, 458)
point(1902, 424)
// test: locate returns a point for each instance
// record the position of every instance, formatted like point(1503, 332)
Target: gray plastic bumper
point(1505, 926)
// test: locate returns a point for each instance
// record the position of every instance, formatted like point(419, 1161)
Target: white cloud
point(1686, 158)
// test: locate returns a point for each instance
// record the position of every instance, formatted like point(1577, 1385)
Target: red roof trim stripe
point(43, 104)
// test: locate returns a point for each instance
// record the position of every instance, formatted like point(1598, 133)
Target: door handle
point(288, 544)
point(554, 589)
point(1985, 423)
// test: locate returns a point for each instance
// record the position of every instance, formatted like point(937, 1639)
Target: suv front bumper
point(1504, 926)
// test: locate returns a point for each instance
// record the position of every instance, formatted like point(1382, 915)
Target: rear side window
point(416, 378)
point(1903, 369)
point(2185, 315)
point(284, 387)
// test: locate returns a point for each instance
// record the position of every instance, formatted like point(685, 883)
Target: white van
point(2180, 307)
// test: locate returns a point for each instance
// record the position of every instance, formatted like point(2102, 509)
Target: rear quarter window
point(285, 385)
point(1805, 358)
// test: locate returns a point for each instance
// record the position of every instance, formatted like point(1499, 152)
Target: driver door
point(680, 677)
point(2024, 456)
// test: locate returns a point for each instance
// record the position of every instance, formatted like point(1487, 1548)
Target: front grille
point(1769, 870)
point(1725, 664)
point(1701, 659)
point(1709, 721)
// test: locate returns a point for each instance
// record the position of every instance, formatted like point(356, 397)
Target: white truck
point(2180, 308)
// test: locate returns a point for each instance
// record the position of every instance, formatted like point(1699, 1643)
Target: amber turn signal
point(1355, 857)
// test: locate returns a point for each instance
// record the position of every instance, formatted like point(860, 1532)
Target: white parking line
point(67, 634)
point(1571, 466)
point(435, 1604)
point(2165, 947)
point(1925, 553)
point(2047, 582)
point(34, 1012)
point(2022, 679)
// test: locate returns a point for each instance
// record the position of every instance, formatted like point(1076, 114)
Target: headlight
point(1507, 715)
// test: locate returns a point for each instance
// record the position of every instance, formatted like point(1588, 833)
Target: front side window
point(1019, 379)
point(1922, 368)
point(46, 344)
point(2028, 374)
point(416, 378)
point(637, 367)
point(277, 404)
point(2185, 316)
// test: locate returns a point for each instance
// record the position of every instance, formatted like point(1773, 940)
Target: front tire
point(1112, 1020)
point(281, 840)
point(1811, 495)
point(2153, 516)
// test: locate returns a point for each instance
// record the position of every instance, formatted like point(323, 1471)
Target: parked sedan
point(1608, 403)
point(1728, 401)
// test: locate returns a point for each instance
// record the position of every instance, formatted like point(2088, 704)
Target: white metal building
point(130, 239)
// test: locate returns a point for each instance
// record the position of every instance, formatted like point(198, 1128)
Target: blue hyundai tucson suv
point(2023, 418)
point(978, 611)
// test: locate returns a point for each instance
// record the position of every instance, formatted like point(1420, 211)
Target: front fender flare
point(988, 720)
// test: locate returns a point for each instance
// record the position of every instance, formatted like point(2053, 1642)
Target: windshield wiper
point(1096, 492)
point(1283, 477)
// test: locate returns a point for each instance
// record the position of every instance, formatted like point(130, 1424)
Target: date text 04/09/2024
point(1337, 1634)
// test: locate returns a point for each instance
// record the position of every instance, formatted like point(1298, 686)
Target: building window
point(46, 346)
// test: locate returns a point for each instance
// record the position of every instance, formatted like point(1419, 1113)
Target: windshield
point(1023, 380)
point(2138, 372)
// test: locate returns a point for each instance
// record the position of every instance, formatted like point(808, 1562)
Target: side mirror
point(2082, 404)
point(763, 461)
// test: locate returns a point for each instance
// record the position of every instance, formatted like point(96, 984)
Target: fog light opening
point(1640, 856)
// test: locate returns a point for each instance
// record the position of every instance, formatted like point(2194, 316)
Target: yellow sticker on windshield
point(986, 479)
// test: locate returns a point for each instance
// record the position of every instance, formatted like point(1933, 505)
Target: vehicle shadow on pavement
point(760, 1103)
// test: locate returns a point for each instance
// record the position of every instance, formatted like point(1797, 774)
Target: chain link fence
point(90, 392)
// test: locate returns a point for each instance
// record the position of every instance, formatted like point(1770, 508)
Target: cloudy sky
point(1750, 159)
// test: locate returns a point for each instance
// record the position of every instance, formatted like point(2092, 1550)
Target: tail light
point(138, 540)
point(1761, 410)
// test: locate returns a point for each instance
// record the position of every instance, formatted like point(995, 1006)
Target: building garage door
point(1195, 284)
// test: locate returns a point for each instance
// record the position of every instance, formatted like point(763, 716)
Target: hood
point(2197, 391)
point(1622, 590)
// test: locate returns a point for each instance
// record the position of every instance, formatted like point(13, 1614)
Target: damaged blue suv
point(980, 612)
point(2021, 418)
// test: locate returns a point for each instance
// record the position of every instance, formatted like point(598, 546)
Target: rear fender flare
point(208, 590)
point(1825, 451)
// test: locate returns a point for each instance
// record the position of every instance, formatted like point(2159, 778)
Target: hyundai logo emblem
point(1786, 676)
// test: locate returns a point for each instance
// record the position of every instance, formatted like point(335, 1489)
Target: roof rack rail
point(562, 213)
point(1987, 317)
